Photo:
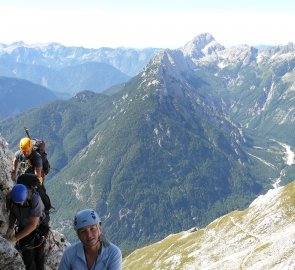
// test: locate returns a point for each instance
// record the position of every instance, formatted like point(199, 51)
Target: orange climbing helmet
point(25, 144)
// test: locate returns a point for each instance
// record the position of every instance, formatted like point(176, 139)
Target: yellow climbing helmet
point(25, 144)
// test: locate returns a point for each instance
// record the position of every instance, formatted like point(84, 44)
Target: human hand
point(10, 233)
point(13, 175)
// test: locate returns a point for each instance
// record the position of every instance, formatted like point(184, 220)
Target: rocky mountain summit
point(254, 86)
point(10, 258)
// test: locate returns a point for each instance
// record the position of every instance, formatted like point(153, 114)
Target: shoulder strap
point(8, 201)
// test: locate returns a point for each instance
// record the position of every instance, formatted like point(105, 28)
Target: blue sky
point(150, 23)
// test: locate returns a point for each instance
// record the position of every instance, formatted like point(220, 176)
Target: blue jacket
point(73, 258)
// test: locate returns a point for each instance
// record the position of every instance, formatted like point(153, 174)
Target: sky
point(150, 23)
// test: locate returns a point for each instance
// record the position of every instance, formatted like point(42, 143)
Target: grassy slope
point(259, 237)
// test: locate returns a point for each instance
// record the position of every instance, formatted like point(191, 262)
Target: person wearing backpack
point(27, 209)
point(93, 251)
point(32, 182)
point(27, 160)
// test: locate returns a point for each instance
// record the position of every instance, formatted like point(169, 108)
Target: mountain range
point(255, 87)
point(190, 138)
point(56, 56)
point(66, 70)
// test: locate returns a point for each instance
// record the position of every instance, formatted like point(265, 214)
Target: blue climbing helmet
point(19, 193)
point(86, 217)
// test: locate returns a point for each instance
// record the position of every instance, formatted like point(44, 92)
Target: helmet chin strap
point(93, 244)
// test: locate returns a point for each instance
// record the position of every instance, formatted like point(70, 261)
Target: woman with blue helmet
point(93, 251)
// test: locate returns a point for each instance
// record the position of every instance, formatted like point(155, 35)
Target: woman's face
point(89, 235)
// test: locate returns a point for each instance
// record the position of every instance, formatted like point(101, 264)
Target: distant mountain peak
point(278, 51)
point(18, 44)
point(203, 39)
point(167, 64)
point(201, 45)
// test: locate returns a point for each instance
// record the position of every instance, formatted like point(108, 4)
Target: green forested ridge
point(18, 95)
point(66, 126)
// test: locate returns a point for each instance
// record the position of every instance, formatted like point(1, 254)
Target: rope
point(29, 246)
point(47, 237)
point(54, 242)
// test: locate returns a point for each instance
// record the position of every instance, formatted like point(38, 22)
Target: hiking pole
point(27, 132)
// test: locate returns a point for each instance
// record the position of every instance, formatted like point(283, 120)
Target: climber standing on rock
point(30, 161)
point(27, 211)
